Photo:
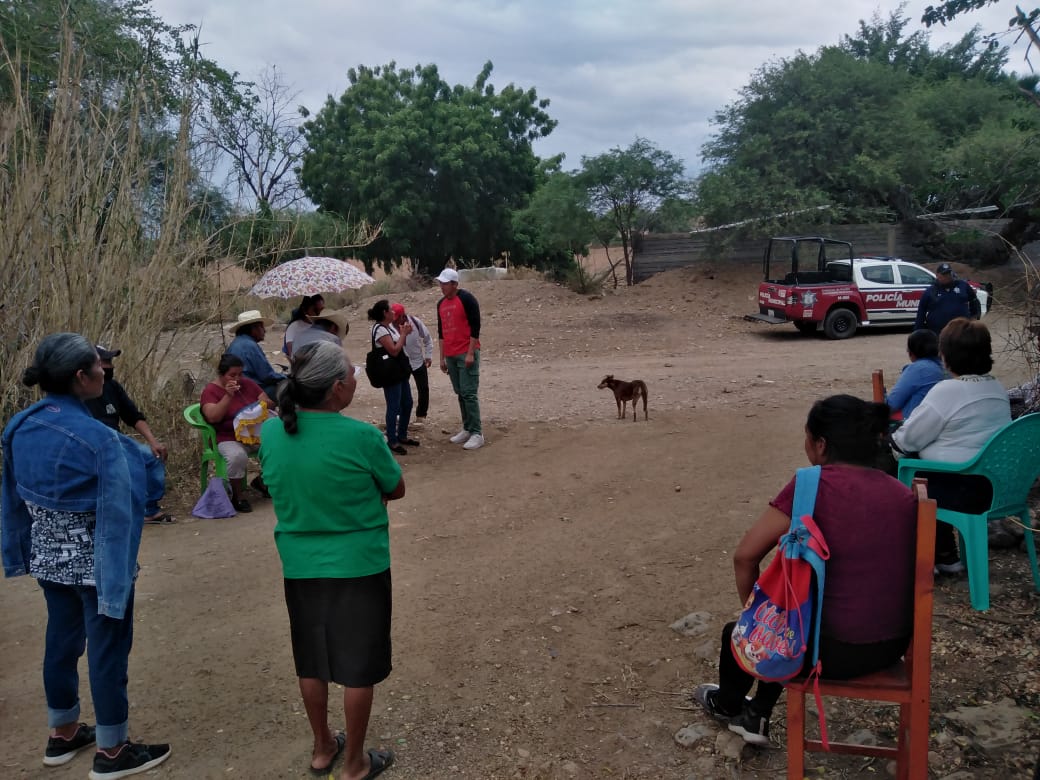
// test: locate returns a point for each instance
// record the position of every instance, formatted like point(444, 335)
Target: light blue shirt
point(914, 383)
point(255, 363)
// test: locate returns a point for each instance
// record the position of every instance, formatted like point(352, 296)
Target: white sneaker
point(476, 441)
point(459, 437)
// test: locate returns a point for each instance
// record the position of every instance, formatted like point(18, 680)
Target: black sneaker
point(754, 728)
point(60, 750)
point(707, 695)
point(132, 758)
point(260, 487)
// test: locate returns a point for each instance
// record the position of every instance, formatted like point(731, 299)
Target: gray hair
point(59, 357)
point(316, 367)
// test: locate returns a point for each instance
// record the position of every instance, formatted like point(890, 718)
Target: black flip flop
point(163, 518)
point(341, 742)
point(380, 760)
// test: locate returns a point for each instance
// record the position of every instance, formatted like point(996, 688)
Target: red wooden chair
point(906, 684)
point(877, 380)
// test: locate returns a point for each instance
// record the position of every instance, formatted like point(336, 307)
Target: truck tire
point(805, 327)
point(840, 324)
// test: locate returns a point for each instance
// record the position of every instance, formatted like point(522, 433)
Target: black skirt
point(341, 628)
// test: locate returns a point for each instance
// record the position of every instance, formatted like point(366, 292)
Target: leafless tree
point(260, 134)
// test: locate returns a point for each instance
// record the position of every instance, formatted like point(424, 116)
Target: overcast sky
point(612, 69)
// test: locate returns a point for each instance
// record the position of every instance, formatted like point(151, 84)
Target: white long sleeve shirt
point(955, 419)
point(418, 345)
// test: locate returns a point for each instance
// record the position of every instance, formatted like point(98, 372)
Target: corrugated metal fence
point(667, 251)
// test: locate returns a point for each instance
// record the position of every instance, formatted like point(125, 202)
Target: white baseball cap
point(448, 275)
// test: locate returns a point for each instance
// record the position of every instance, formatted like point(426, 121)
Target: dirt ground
point(535, 580)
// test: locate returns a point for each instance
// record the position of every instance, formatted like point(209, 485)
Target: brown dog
point(625, 392)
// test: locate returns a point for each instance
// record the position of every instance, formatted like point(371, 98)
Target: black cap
point(107, 354)
point(944, 268)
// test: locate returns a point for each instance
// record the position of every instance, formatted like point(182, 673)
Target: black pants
point(422, 390)
point(971, 494)
point(839, 660)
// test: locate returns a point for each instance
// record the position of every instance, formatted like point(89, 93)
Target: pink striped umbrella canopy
point(310, 276)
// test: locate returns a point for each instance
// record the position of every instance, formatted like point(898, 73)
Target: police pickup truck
point(838, 293)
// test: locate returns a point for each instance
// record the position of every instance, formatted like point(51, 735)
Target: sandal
point(341, 742)
point(163, 518)
point(379, 760)
point(242, 505)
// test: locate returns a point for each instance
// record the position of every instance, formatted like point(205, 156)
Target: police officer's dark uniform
point(947, 299)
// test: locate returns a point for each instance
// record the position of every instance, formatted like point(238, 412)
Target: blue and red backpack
point(771, 638)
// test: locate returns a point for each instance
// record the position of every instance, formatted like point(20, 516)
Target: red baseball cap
point(397, 309)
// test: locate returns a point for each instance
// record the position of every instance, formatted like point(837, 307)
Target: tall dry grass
point(92, 240)
point(99, 235)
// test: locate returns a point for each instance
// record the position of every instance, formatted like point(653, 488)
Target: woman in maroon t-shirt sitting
point(221, 400)
point(869, 520)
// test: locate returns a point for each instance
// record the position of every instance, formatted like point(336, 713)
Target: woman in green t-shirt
point(330, 478)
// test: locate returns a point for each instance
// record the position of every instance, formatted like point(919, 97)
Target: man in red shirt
point(458, 333)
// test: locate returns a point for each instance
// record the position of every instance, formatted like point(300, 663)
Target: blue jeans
point(73, 623)
point(465, 382)
point(154, 481)
point(398, 411)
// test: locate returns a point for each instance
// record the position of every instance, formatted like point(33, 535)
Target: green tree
point(624, 186)
point(125, 57)
point(1026, 21)
point(878, 127)
point(556, 227)
point(674, 215)
point(1028, 24)
point(441, 168)
point(125, 51)
point(884, 41)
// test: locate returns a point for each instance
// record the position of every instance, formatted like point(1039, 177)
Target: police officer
point(947, 299)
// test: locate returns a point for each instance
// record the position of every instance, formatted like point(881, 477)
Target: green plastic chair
point(1010, 460)
point(210, 453)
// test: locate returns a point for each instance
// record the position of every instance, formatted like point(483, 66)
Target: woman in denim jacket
point(72, 512)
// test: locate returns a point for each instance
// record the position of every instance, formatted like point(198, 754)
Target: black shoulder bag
point(384, 369)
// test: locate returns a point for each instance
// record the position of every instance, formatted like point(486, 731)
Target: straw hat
point(248, 318)
point(337, 316)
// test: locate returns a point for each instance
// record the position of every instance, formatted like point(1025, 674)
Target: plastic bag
point(215, 502)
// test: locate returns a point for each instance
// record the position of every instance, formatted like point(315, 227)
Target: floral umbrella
point(310, 276)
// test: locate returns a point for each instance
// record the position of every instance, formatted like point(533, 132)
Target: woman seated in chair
point(869, 521)
point(221, 400)
point(953, 422)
